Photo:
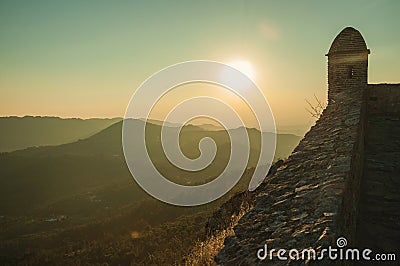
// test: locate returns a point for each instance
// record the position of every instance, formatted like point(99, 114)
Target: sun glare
point(243, 66)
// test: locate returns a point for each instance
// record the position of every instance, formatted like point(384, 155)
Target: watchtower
point(347, 63)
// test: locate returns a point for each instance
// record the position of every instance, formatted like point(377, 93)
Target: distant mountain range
point(28, 131)
point(36, 176)
point(18, 133)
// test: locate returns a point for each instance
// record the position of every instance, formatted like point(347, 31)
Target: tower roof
point(348, 40)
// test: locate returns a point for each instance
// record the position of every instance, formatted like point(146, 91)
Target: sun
point(243, 66)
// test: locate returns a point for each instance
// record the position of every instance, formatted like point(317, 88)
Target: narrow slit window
point(351, 72)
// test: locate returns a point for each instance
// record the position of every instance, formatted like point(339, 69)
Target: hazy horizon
point(296, 129)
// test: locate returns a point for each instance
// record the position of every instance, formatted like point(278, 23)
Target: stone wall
point(312, 199)
point(384, 98)
point(378, 226)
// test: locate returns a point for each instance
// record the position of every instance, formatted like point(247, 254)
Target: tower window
point(351, 72)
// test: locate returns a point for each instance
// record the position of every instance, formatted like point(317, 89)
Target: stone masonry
point(378, 225)
point(314, 197)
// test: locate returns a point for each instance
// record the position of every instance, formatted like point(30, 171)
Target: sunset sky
point(86, 58)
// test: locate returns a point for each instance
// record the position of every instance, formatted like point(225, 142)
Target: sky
point(86, 58)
